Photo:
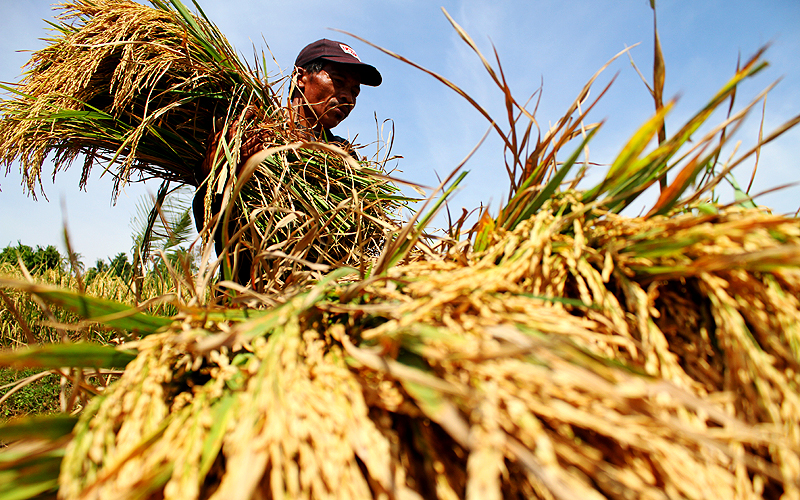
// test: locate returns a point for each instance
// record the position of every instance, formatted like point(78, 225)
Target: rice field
point(556, 349)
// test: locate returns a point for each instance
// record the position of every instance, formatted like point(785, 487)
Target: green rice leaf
point(745, 200)
point(552, 185)
point(113, 314)
point(79, 355)
point(213, 441)
point(410, 240)
point(25, 487)
point(486, 227)
point(626, 164)
point(50, 427)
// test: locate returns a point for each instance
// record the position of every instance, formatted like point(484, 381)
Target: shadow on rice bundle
point(144, 91)
point(299, 207)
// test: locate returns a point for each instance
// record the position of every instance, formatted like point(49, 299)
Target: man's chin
point(336, 116)
point(331, 122)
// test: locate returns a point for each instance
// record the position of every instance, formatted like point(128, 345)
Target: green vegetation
point(38, 260)
point(24, 321)
point(38, 397)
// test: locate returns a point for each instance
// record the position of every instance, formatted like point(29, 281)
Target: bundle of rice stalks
point(628, 358)
point(125, 84)
point(156, 92)
point(300, 209)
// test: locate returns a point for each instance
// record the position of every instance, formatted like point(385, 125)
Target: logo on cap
point(350, 51)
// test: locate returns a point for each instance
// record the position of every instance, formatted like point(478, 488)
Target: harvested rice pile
point(626, 359)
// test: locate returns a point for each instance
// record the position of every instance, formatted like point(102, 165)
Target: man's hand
point(253, 139)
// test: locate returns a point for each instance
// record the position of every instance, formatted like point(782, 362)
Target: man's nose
point(347, 97)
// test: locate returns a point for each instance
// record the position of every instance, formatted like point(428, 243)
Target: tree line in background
point(162, 223)
point(40, 259)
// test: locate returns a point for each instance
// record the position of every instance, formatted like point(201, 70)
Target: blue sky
point(554, 44)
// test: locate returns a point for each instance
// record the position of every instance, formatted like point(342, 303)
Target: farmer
point(326, 81)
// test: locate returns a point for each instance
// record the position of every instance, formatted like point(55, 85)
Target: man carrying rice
point(158, 92)
point(326, 82)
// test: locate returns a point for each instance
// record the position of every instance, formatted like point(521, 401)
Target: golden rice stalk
point(620, 359)
point(291, 382)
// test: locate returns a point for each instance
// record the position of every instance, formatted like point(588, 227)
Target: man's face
point(331, 93)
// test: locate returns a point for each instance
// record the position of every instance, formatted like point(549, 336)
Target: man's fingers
point(254, 143)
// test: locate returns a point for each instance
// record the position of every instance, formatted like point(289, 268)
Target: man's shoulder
point(343, 143)
point(332, 138)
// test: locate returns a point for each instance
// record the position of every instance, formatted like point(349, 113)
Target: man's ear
point(298, 83)
point(300, 78)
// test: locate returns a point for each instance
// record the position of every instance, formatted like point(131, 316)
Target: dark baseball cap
point(339, 52)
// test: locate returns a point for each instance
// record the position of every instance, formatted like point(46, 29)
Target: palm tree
point(121, 267)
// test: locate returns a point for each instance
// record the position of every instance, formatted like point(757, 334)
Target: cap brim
point(367, 75)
